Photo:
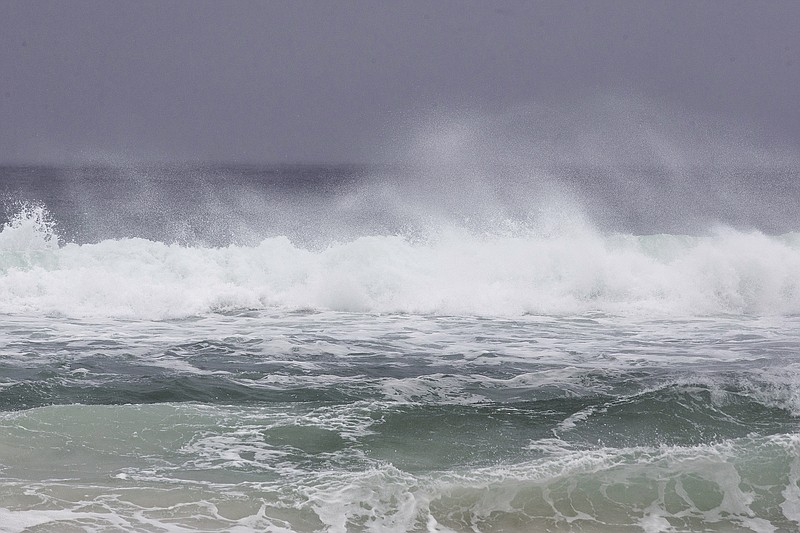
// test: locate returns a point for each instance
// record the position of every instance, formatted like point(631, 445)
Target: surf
point(507, 272)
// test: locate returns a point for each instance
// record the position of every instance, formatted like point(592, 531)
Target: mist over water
point(617, 164)
point(611, 206)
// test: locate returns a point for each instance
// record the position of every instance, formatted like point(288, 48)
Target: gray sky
point(334, 81)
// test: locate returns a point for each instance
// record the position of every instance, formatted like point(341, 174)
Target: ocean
point(387, 349)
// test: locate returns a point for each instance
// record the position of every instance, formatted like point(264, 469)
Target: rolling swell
point(306, 475)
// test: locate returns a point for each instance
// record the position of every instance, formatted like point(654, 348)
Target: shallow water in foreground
point(303, 421)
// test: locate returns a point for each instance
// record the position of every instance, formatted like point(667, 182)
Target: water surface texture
point(317, 348)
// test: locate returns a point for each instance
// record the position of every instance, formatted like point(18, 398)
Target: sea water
point(338, 349)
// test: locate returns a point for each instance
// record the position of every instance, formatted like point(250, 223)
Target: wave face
point(456, 271)
point(296, 483)
point(340, 422)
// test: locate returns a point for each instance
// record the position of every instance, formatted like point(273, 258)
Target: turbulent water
point(353, 349)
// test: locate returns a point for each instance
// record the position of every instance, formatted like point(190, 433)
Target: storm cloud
point(334, 81)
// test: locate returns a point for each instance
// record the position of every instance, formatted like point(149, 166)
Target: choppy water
point(314, 365)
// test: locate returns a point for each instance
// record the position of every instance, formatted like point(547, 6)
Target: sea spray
point(391, 350)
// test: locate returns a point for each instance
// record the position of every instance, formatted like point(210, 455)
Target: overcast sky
point(333, 81)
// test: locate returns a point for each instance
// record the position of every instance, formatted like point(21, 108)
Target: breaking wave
point(456, 271)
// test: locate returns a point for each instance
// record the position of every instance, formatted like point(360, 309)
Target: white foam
point(456, 272)
point(438, 388)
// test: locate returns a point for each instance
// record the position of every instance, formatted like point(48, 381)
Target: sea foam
point(454, 271)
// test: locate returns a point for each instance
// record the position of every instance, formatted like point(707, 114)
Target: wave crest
point(456, 272)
